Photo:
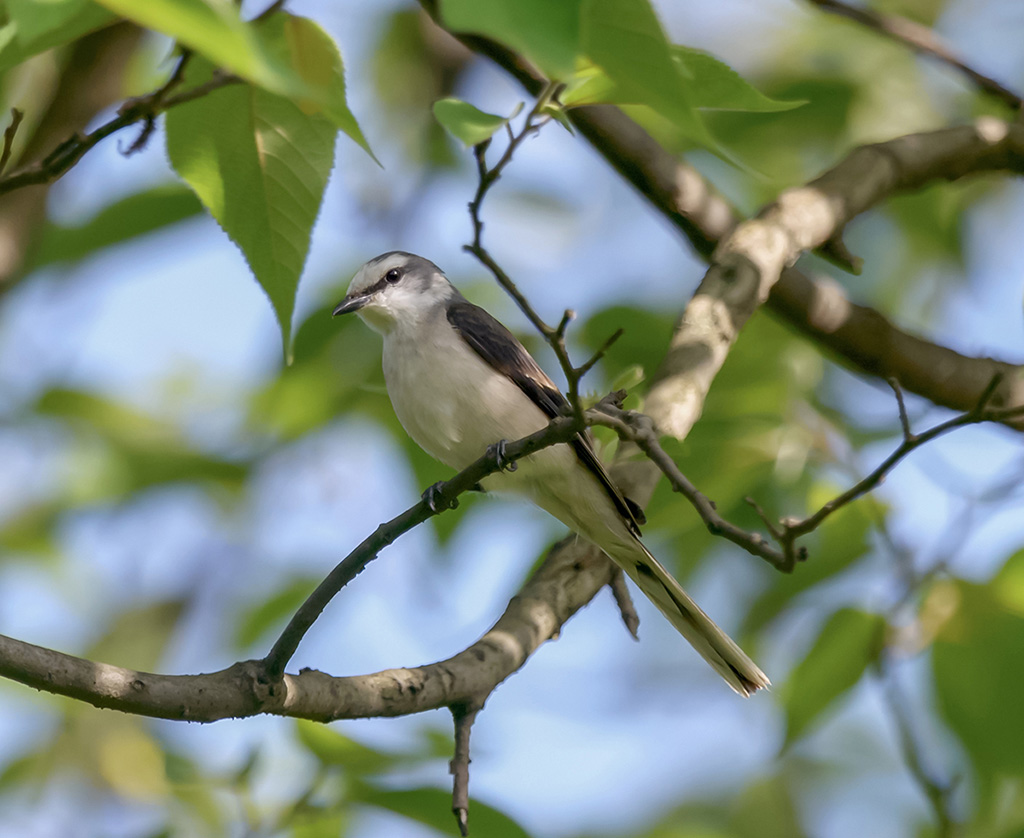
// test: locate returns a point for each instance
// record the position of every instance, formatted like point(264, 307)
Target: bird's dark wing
point(499, 347)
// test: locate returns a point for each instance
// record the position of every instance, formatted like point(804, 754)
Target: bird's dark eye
point(393, 275)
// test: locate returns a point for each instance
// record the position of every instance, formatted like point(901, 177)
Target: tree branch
point(749, 261)
point(790, 529)
point(68, 153)
point(921, 40)
point(571, 574)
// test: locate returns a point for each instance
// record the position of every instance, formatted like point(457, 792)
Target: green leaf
point(846, 646)
point(433, 808)
point(34, 26)
point(716, 85)
point(260, 164)
point(126, 219)
point(975, 659)
point(215, 30)
point(625, 39)
point(548, 33)
point(465, 122)
point(315, 57)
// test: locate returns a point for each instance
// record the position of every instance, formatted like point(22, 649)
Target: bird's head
point(396, 289)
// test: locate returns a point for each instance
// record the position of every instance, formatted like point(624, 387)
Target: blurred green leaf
point(34, 26)
point(625, 38)
point(547, 33)
point(140, 450)
point(412, 70)
point(30, 530)
point(846, 646)
point(718, 86)
point(645, 337)
point(433, 808)
point(766, 809)
point(260, 164)
point(126, 219)
point(333, 748)
point(466, 122)
point(137, 637)
point(978, 679)
point(712, 84)
point(258, 618)
point(312, 822)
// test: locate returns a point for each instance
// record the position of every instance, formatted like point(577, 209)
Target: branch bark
point(570, 577)
point(749, 261)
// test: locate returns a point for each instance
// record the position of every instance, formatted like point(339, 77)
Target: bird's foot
point(497, 453)
point(433, 498)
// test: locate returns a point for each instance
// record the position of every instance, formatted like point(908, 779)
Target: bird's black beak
point(350, 304)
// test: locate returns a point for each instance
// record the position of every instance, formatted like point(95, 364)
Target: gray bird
point(460, 382)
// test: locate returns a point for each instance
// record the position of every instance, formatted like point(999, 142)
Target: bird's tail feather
point(713, 644)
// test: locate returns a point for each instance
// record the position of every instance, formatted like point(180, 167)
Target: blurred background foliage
point(170, 490)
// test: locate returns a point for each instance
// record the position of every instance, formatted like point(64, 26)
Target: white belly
point(454, 405)
point(450, 401)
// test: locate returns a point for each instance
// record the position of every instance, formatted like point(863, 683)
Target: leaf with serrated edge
point(260, 165)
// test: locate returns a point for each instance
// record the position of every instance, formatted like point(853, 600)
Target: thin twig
point(487, 177)
point(69, 152)
point(639, 429)
point(154, 100)
point(442, 497)
point(791, 529)
point(9, 133)
point(921, 40)
point(937, 791)
point(902, 407)
point(463, 716)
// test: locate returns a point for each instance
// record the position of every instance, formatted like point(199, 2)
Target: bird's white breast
point(448, 399)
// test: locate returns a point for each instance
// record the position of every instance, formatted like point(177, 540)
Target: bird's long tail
point(713, 644)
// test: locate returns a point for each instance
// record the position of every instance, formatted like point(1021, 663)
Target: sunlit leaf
point(625, 38)
point(215, 30)
point(844, 649)
point(716, 85)
point(307, 48)
point(546, 32)
point(132, 763)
